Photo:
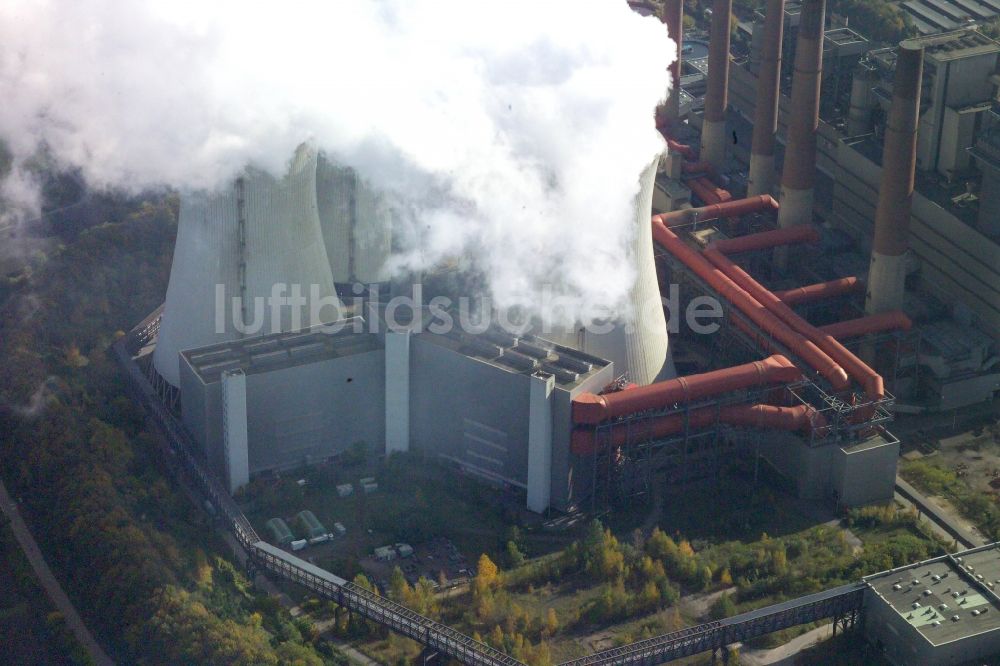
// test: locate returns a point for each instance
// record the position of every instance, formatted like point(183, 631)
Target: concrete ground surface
point(785, 654)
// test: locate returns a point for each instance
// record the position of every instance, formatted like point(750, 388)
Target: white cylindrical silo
point(239, 243)
point(637, 343)
point(356, 223)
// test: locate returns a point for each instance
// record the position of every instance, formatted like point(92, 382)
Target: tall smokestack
point(799, 174)
point(899, 156)
point(673, 17)
point(713, 131)
point(765, 117)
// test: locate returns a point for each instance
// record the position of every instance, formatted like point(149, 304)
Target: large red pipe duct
point(589, 408)
point(765, 119)
point(733, 208)
point(682, 148)
point(893, 320)
point(887, 275)
point(714, 139)
point(860, 371)
point(767, 239)
point(708, 191)
point(697, 167)
point(584, 440)
point(820, 291)
point(752, 308)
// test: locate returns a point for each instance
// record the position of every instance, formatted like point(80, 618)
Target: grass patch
point(933, 477)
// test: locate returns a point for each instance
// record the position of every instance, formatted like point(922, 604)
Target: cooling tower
point(256, 233)
point(356, 224)
point(638, 344)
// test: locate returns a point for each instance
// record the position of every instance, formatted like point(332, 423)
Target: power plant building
point(495, 405)
point(940, 612)
point(951, 252)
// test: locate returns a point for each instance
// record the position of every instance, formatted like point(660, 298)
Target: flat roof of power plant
point(526, 354)
point(946, 598)
point(956, 44)
point(277, 351)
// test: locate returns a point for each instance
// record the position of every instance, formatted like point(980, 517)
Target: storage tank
point(241, 241)
point(356, 222)
point(638, 343)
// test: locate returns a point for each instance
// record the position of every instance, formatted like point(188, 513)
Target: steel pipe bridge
point(843, 604)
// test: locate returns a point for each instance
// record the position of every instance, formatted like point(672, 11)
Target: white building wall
point(235, 440)
point(397, 391)
point(540, 442)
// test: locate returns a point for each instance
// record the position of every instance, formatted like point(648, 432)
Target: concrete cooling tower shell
point(637, 345)
point(257, 232)
point(356, 224)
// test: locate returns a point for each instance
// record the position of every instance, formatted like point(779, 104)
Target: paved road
point(49, 582)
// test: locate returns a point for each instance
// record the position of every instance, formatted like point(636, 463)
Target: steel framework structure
point(843, 604)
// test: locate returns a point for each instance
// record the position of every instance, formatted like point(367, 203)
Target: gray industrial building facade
point(308, 397)
point(495, 405)
point(849, 474)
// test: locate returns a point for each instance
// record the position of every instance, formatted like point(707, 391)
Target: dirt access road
point(49, 582)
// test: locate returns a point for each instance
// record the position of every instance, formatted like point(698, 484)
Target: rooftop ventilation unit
point(519, 361)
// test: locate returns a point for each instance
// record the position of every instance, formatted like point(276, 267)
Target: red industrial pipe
point(708, 191)
point(584, 440)
point(734, 208)
point(697, 167)
point(684, 149)
point(893, 320)
point(860, 371)
point(752, 308)
point(821, 290)
point(589, 408)
point(805, 233)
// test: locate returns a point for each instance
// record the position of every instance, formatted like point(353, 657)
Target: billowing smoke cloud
point(528, 121)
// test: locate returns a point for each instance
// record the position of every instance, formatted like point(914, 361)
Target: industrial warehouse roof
point(929, 595)
point(280, 350)
point(526, 354)
point(954, 45)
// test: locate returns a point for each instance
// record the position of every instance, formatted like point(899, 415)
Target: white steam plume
point(529, 120)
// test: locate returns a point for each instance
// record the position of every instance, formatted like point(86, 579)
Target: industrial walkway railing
point(839, 602)
point(836, 603)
